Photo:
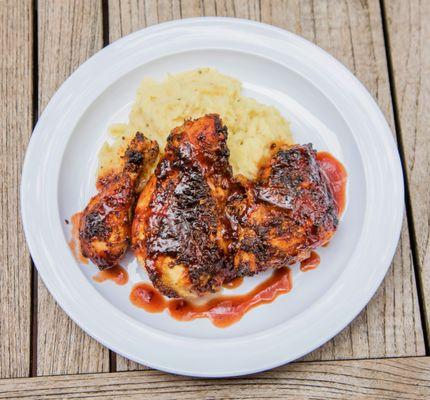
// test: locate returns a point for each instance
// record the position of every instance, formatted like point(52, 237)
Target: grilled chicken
point(105, 225)
point(180, 229)
point(288, 211)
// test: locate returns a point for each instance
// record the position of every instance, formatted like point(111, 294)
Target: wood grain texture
point(69, 33)
point(352, 32)
point(409, 37)
point(407, 378)
point(15, 128)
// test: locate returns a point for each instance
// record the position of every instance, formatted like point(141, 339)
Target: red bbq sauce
point(336, 175)
point(223, 311)
point(310, 263)
point(74, 243)
point(233, 284)
point(116, 274)
point(144, 295)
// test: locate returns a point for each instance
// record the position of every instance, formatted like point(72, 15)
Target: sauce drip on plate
point(310, 263)
point(336, 175)
point(144, 295)
point(116, 274)
point(223, 311)
point(74, 243)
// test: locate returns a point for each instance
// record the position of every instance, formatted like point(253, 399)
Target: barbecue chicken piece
point(105, 225)
point(180, 231)
point(288, 211)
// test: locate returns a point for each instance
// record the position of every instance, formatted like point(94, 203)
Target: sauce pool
point(222, 311)
point(144, 295)
point(336, 175)
point(310, 263)
point(116, 274)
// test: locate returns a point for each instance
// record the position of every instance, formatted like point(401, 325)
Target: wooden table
point(384, 353)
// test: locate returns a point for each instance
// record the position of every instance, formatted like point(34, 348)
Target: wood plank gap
point(33, 321)
point(112, 361)
point(105, 22)
point(328, 360)
point(408, 203)
point(35, 70)
point(34, 274)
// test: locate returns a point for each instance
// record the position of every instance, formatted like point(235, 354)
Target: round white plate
point(326, 105)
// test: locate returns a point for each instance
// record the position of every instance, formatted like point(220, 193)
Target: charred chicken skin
point(284, 214)
point(180, 228)
point(105, 224)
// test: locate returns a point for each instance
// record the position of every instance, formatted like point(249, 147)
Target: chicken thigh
point(284, 214)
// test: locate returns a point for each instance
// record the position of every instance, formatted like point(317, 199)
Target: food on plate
point(105, 223)
point(180, 231)
point(285, 213)
point(228, 198)
point(160, 106)
point(197, 227)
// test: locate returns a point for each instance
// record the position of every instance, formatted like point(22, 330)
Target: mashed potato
point(161, 106)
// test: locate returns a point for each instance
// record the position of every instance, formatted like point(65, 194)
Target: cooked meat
point(180, 230)
point(196, 226)
point(105, 225)
point(288, 211)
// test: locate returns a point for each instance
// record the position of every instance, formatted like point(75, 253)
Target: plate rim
point(26, 189)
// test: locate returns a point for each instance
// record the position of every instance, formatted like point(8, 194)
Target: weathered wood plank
point(69, 33)
point(351, 31)
point(16, 89)
point(408, 37)
point(406, 378)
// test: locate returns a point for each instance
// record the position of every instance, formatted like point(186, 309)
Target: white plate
point(327, 106)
